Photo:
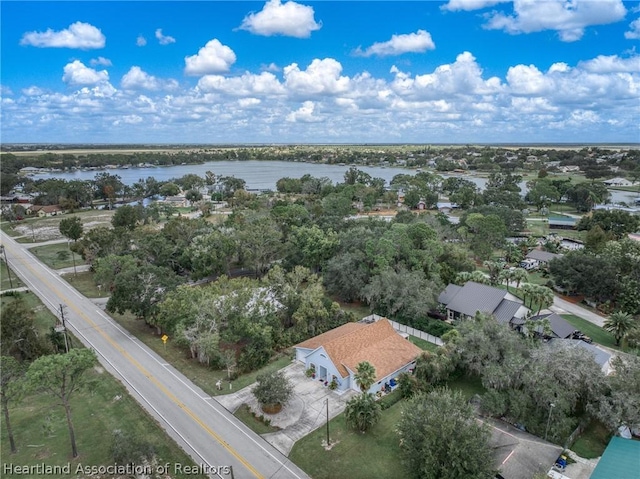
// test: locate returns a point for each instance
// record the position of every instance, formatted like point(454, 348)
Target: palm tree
point(519, 275)
point(362, 412)
point(462, 277)
point(494, 267)
point(506, 276)
point(544, 297)
point(365, 375)
point(479, 277)
point(527, 291)
point(619, 324)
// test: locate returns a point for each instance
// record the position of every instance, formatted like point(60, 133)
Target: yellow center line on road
point(146, 373)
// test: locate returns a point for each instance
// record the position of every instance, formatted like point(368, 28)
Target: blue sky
point(460, 71)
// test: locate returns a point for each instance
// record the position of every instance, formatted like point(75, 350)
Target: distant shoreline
point(22, 149)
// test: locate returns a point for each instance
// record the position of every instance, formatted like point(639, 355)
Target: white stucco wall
point(319, 357)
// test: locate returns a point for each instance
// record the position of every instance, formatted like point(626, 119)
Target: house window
point(323, 356)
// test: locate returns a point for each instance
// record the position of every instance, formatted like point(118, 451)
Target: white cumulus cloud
point(136, 79)
point(32, 91)
point(418, 42)
point(141, 41)
point(105, 62)
point(247, 84)
point(634, 30)
point(77, 73)
point(611, 64)
point(321, 77)
point(568, 17)
point(164, 39)
point(214, 57)
point(468, 5)
point(289, 19)
point(79, 35)
point(304, 114)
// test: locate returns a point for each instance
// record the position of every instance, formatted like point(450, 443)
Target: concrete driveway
point(305, 412)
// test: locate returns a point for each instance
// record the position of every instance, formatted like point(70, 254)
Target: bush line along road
point(209, 433)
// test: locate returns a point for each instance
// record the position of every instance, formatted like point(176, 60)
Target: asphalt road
point(209, 433)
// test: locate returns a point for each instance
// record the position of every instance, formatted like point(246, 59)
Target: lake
point(263, 175)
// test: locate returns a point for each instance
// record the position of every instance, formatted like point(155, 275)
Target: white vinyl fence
point(401, 328)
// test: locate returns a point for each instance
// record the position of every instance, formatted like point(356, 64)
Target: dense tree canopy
point(440, 437)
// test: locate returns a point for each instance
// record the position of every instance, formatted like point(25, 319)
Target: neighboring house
point(562, 223)
point(445, 206)
point(337, 353)
point(42, 211)
point(619, 460)
point(177, 201)
point(462, 302)
point(618, 182)
point(538, 258)
point(600, 356)
point(571, 244)
point(422, 205)
point(559, 327)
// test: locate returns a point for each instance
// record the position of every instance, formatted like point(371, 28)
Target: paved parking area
point(305, 412)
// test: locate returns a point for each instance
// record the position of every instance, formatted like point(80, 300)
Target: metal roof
point(449, 292)
point(474, 297)
point(559, 326)
point(506, 310)
point(540, 255)
point(621, 459)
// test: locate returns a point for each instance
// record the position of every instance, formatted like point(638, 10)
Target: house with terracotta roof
point(46, 210)
point(335, 355)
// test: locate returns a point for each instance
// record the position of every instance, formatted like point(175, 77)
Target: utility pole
point(551, 406)
point(63, 329)
point(4, 251)
point(328, 440)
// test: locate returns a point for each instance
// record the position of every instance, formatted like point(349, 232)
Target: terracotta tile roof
point(377, 343)
point(317, 341)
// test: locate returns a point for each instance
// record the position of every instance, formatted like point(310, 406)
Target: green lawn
point(44, 319)
point(178, 357)
point(8, 229)
point(595, 332)
point(6, 281)
point(84, 283)
point(354, 455)
point(41, 432)
point(361, 310)
point(48, 254)
point(592, 442)
point(468, 386)
point(255, 424)
point(40, 427)
point(425, 345)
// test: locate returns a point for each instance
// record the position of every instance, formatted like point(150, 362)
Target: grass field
point(48, 254)
point(595, 332)
point(468, 386)
point(592, 442)
point(6, 281)
point(41, 432)
point(84, 283)
point(40, 427)
point(424, 345)
point(35, 230)
point(178, 357)
point(44, 319)
point(353, 455)
point(244, 414)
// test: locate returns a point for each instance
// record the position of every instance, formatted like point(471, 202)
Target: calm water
point(265, 174)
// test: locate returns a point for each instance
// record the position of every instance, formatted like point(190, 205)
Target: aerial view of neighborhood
point(295, 239)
